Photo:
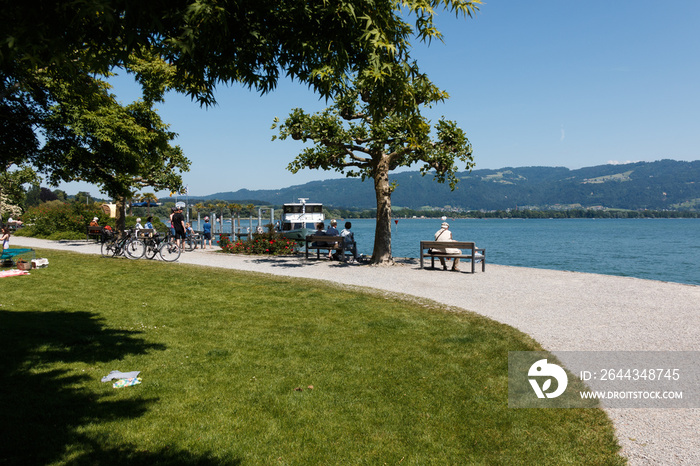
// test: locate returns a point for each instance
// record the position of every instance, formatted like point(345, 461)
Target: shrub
point(273, 244)
point(50, 218)
point(58, 220)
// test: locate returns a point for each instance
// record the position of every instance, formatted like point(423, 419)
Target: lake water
point(656, 249)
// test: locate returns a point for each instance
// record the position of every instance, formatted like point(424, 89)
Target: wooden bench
point(143, 233)
point(326, 243)
point(469, 251)
point(94, 232)
point(13, 226)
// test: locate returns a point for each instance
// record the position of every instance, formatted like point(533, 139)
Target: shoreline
point(563, 311)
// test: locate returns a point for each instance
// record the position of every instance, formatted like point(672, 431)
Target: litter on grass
point(120, 375)
point(126, 382)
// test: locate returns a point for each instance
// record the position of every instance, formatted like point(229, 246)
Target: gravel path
point(563, 311)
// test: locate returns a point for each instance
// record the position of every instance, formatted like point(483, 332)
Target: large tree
point(90, 136)
point(214, 41)
point(191, 46)
point(70, 127)
point(350, 139)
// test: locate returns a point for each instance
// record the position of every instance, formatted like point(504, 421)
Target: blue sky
point(545, 82)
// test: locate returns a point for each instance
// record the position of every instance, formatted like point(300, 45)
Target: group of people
point(180, 229)
point(148, 225)
point(347, 234)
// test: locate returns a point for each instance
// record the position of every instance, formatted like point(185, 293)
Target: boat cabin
point(300, 218)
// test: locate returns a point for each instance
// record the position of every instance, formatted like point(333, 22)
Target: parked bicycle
point(191, 241)
point(127, 245)
point(166, 247)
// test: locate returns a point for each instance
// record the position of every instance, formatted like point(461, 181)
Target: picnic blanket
point(12, 252)
point(13, 273)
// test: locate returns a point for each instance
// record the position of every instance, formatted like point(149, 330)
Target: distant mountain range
point(665, 184)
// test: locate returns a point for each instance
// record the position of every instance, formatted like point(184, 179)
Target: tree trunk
point(121, 215)
point(382, 233)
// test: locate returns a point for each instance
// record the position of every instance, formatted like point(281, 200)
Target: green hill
point(660, 185)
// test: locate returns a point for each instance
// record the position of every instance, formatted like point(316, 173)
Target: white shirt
point(443, 234)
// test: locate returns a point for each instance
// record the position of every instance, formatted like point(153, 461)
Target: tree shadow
point(301, 262)
point(44, 408)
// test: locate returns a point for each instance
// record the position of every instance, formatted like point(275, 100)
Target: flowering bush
point(272, 244)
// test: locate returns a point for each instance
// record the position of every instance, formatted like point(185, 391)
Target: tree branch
point(352, 155)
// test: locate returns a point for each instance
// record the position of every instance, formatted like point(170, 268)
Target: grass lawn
point(242, 368)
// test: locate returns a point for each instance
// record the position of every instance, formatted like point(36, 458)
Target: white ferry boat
point(299, 219)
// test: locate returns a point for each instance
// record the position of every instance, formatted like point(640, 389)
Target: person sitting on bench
point(349, 237)
point(333, 231)
point(444, 234)
point(320, 231)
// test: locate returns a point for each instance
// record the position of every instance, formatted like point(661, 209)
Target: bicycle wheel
point(189, 244)
point(109, 248)
point(170, 251)
point(134, 249)
point(151, 249)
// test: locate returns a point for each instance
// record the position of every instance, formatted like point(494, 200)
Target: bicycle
point(190, 242)
point(127, 245)
point(166, 247)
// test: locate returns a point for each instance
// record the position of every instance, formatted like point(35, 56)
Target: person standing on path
point(172, 212)
point(179, 226)
point(206, 234)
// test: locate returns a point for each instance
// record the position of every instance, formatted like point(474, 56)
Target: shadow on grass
point(45, 405)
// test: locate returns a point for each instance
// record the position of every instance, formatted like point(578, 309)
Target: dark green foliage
point(60, 220)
